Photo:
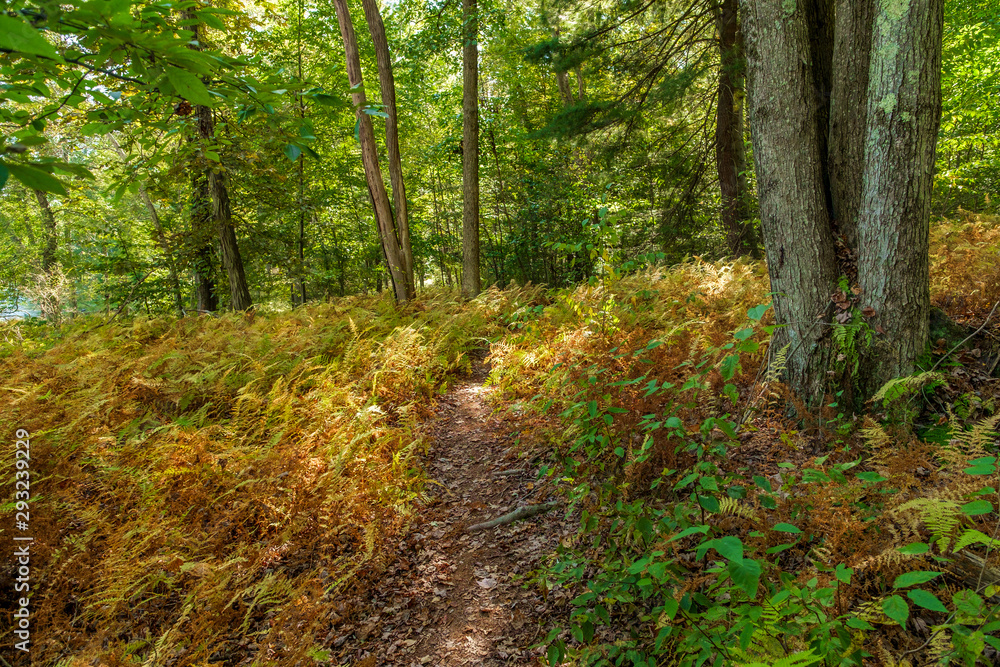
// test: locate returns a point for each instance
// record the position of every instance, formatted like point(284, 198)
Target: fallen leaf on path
point(487, 583)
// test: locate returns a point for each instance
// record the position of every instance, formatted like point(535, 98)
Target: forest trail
point(450, 597)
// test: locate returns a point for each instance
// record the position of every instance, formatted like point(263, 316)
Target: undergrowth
point(714, 529)
point(207, 490)
point(212, 490)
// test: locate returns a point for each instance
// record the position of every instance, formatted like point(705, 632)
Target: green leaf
point(4, 174)
point(188, 86)
point(757, 312)
point(896, 608)
point(922, 598)
point(915, 548)
point(968, 602)
point(18, 36)
point(977, 507)
point(786, 528)
point(710, 503)
point(689, 531)
point(914, 578)
point(743, 334)
point(36, 179)
point(859, 624)
point(292, 152)
point(745, 574)
point(843, 573)
point(730, 547)
point(729, 366)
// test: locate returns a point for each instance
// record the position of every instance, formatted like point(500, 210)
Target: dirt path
point(453, 598)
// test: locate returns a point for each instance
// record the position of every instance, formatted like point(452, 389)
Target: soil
point(452, 597)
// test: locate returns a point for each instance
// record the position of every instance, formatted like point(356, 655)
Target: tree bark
point(730, 156)
point(369, 158)
point(387, 85)
point(471, 282)
point(220, 210)
point(904, 112)
point(223, 218)
point(793, 209)
point(866, 172)
point(160, 237)
point(50, 235)
point(848, 111)
point(206, 296)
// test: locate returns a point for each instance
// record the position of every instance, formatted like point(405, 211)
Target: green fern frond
point(941, 516)
point(904, 386)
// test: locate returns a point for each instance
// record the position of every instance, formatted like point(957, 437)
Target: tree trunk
point(730, 157)
point(387, 85)
point(221, 211)
point(904, 111)
point(223, 218)
point(881, 67)
point(201, 239)
point(471, 282)
point(369, 158)
point(160, 237)
point(848, 110)
point(51, 237)
point(793, 208)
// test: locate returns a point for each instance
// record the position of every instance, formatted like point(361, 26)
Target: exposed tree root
point(522, 512)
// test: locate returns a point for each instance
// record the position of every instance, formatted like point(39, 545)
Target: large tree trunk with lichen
point(369, 158)
point(793, 211)
point(730, 156)
point(904, 111)
point(848, 111)
point(471, 281)
point(813, 72)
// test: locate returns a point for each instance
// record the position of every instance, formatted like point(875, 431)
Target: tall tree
point(730, 155)
point(218, 192)
point(51, 237)
point(792, 75)
point(471, 282)
point(387, 85)
point(402, 280)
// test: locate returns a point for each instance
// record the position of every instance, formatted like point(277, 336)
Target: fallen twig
point(522, 512)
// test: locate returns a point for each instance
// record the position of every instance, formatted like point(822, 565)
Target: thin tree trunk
point(369, 158)
point(730, 157)
point(471, 281)
point(160, 237)
point(848, 111)
point(387, 85)
point(299, 287)
point(904, 112)
point(51, 237)
point(793, 207)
